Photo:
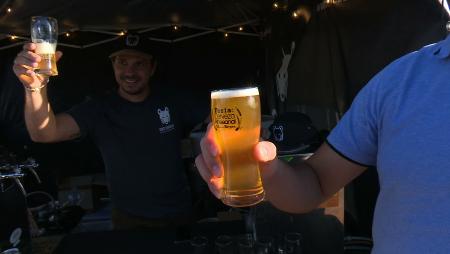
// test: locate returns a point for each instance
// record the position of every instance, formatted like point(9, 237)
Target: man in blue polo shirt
point(400, 123)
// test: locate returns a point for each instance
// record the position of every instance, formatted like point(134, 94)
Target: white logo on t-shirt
point(164, 115)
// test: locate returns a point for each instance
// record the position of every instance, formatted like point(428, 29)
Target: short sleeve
point(85, 115)
point(355, 137)
point(193, 107)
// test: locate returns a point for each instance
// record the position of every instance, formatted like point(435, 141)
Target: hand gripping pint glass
point(236, 115)
point(44, 33)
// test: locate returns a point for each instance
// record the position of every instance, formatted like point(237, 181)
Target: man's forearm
point(295, 190)
point(39, 117)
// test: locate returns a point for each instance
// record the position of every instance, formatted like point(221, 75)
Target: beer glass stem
point(253, 222)
point(250, 223)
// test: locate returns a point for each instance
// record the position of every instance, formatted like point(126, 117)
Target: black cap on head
point(131, 44)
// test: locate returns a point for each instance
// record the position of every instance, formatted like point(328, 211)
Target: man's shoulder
point(105, 97)
point(168, 89)
point(174, 94)
point(411, 62)
point(422, 55)
point(96, 101)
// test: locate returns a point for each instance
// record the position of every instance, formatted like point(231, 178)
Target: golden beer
point(44, 33)
point(236, 115)
point(47, 65)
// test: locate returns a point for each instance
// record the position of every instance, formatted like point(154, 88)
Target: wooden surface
point(45, 244)
point(335, 206)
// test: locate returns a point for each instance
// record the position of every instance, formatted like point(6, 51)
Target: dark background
point(338, 50)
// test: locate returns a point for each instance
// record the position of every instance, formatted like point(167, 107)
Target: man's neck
point(134, 97)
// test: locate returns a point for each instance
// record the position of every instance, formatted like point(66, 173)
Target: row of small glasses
point(291, 243)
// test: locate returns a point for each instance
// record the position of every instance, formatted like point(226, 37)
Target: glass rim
point(223, 242)
point(293, 237)
point(265, 240)
point(234, 89)
point(224, 237)
point(199, 240)
point(235, 92)
point(43, 17)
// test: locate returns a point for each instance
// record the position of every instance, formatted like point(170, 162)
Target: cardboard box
point(85, 191)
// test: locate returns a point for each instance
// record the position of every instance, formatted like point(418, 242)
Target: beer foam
point(45, 48)
point(220, 94)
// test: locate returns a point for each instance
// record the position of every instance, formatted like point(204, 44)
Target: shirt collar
point(443, 48)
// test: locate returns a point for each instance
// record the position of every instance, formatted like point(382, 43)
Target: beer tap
point(16, 172)
point(19, 183)
point(31, 164)
point(15, 175)
point(11, 176)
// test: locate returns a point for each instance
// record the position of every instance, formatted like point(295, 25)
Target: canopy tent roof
point(90, 23)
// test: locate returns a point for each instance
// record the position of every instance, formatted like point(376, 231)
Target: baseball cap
point(131, 44)
point(293, 132)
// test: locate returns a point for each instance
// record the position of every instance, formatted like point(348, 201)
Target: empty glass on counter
point(224, 244)
point(264, 245)
point(292, 243)
point(246, 244)
point(280, 243)
point(199, 244)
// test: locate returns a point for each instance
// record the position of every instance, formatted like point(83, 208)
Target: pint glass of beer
point(44, 33)
point(236, 115)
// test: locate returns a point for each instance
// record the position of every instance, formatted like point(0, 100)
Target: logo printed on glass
point(227, 118)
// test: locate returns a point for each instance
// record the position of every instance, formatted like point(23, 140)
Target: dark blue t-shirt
point(141, 150)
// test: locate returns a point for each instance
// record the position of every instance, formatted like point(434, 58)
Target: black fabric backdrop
point(337, 52)
point(345, 45)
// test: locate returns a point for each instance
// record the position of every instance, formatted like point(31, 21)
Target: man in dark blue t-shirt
point(137, 130)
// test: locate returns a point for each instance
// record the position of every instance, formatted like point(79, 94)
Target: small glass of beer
point(44, 33)
point(236, 116)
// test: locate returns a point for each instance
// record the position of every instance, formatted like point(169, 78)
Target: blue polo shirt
point(400, 123)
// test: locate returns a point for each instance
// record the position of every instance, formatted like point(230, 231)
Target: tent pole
point(160, 40)
point(154, 28)
point(12, 45)
point(99, 31)
point(70, 45)
point(193, 36)
point(240, 33)
point(241, 24)
point(100, 42)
